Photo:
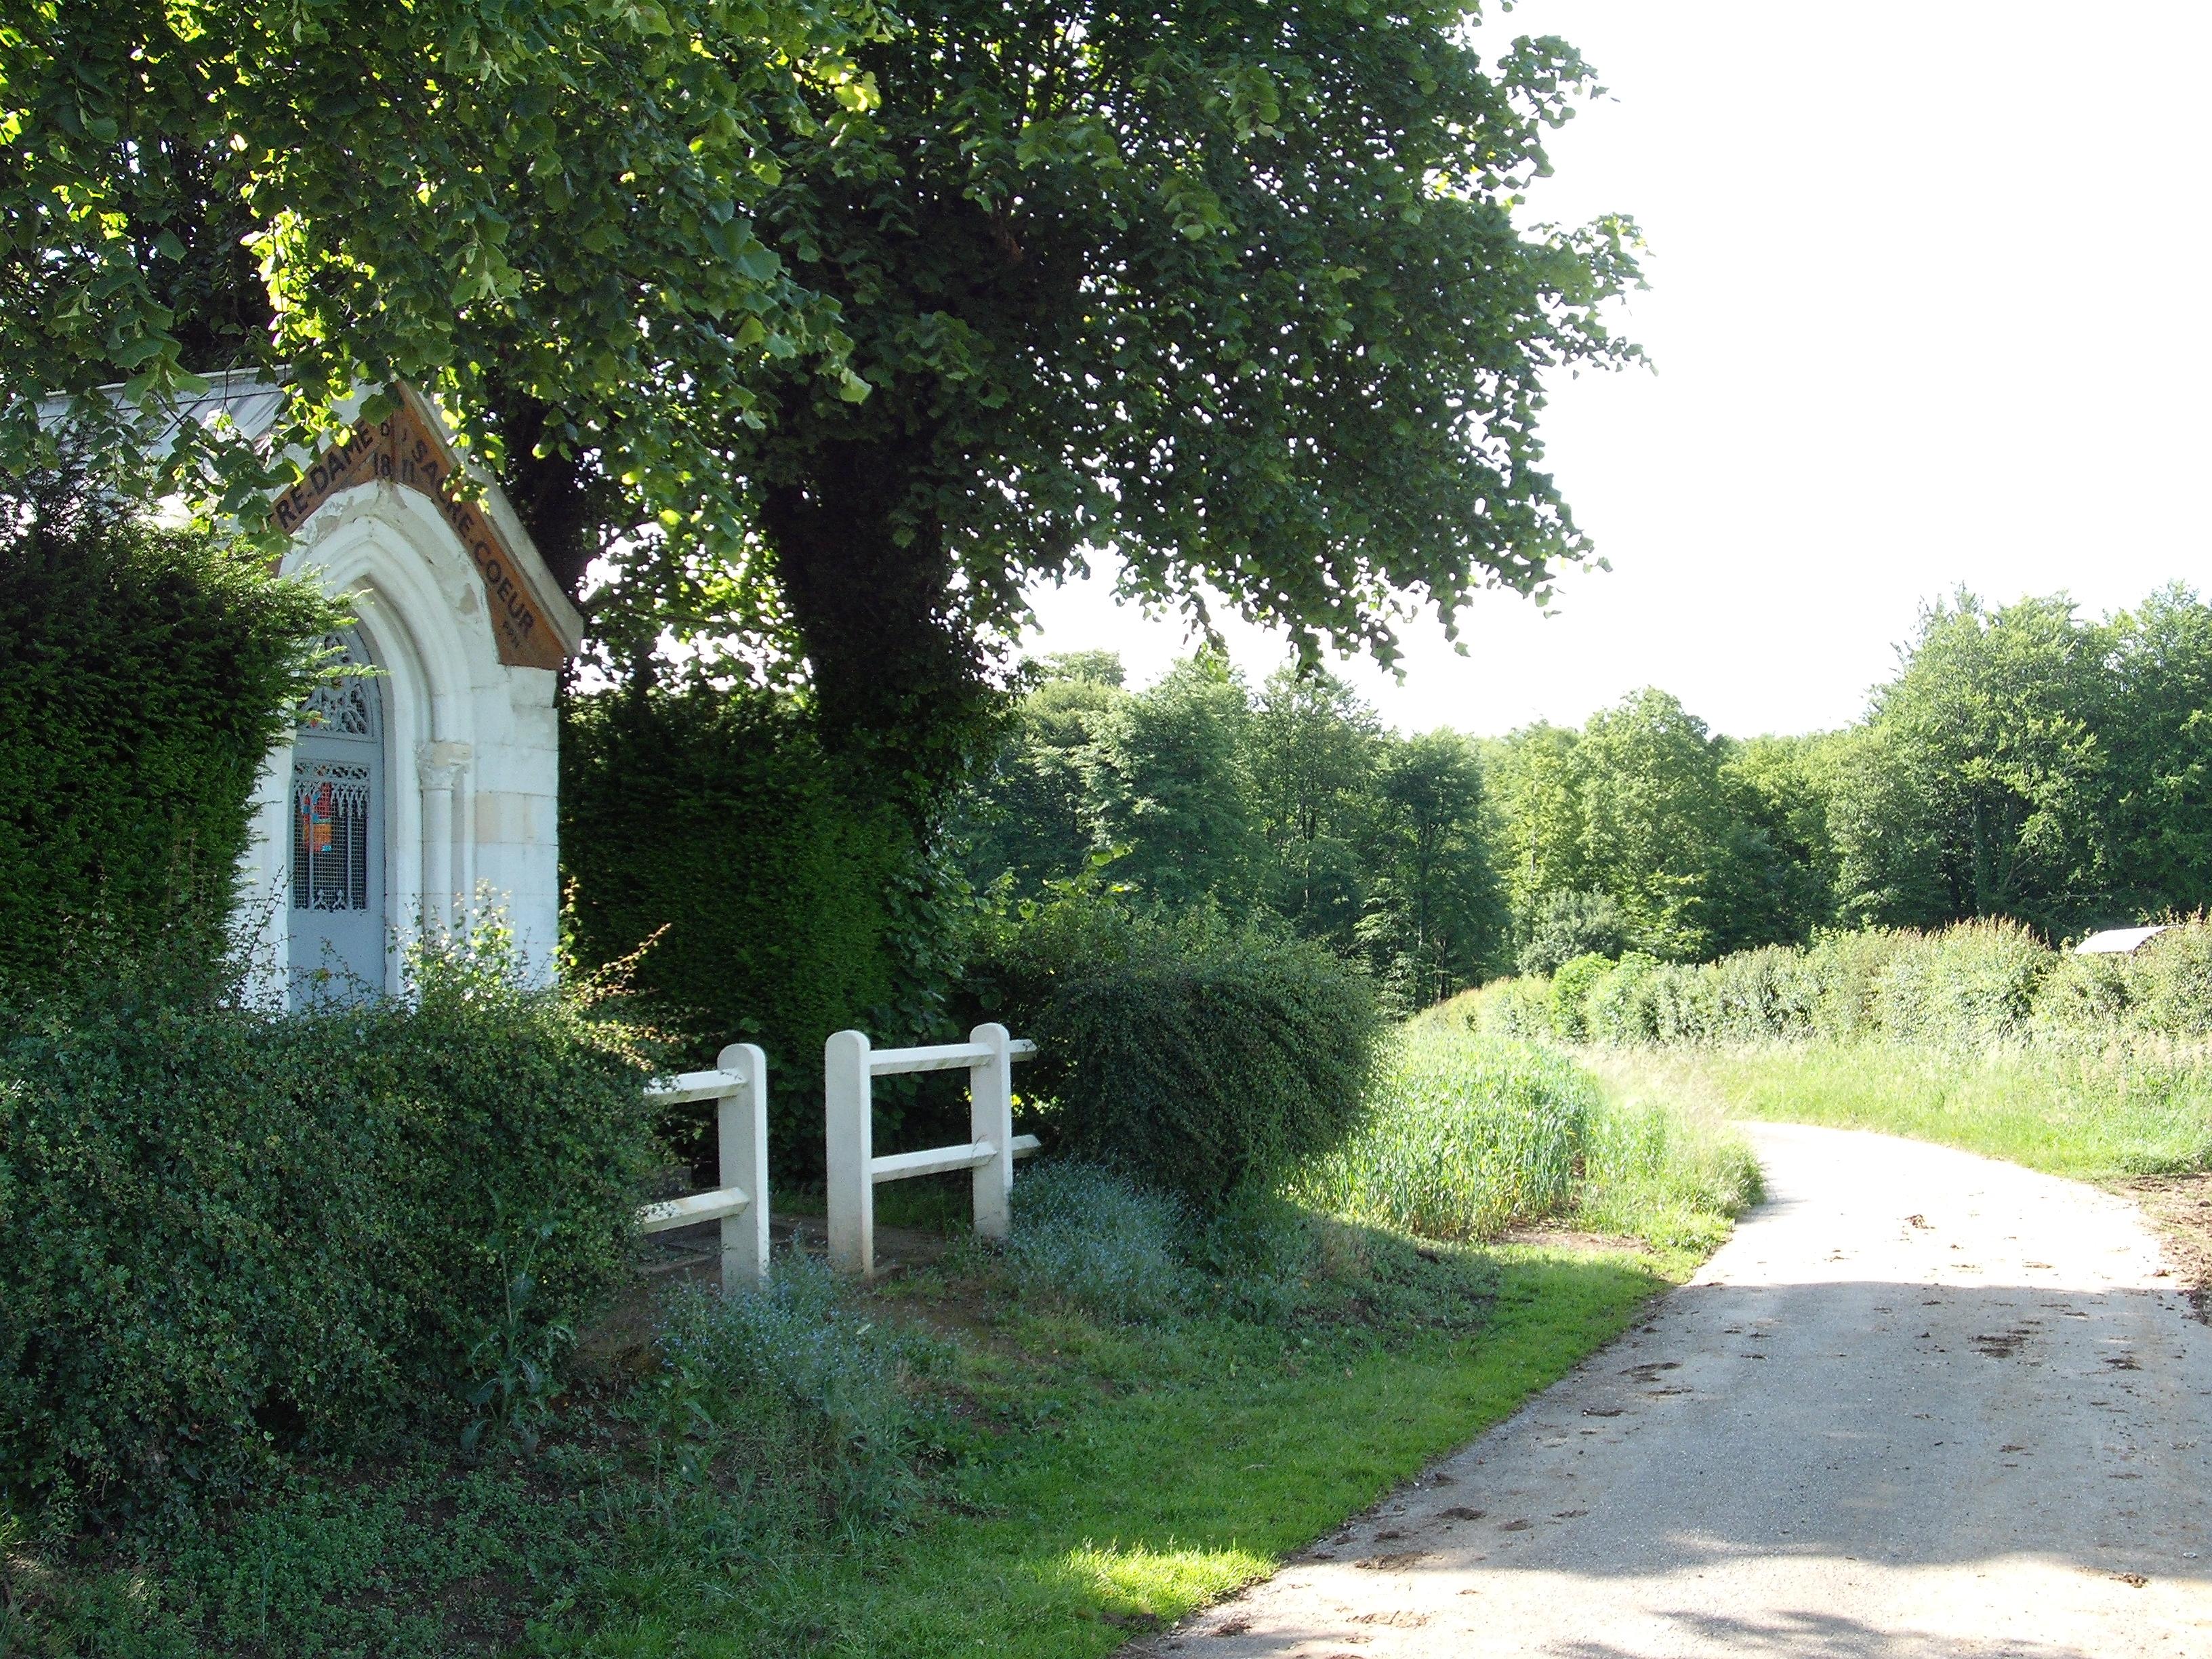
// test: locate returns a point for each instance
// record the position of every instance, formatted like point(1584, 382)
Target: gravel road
point(1922, 1404)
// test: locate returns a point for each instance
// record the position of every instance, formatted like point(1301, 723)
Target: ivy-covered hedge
point(1200, 1060)
point(144, 674)
point(779, 906)
point(223, 1233)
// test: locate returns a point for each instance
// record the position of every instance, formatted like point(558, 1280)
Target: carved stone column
point(439, 767)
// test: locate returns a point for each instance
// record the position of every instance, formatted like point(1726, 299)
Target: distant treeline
point(2023, 762)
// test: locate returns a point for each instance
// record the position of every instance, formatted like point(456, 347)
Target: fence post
point(991, 1118)
point(741, 1127)
point(848, 1124)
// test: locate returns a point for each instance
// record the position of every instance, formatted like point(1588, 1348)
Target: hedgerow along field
point(1980, 1037)
point(970, 1450)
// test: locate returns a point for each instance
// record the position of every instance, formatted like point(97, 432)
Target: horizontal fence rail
point(739, 1086)
point(850, 1067)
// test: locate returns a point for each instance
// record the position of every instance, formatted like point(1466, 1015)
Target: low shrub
point(1466, 1136)
point(1571, 986)
point(1094, 1240)
point(2175, 971)
point(1684, 1002)
point(1847, 971)
point(1970, 987)
point(1966, 986)
point(2092, 996)
point(799, 1354)
point(224, 1232)
point(1511, 1008)
point(1620, 1007)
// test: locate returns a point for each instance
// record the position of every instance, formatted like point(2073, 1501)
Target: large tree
point(1234, 288)
point(1433, 912)
point(2159, 733)
point(1316, 746)
point(1978, 785)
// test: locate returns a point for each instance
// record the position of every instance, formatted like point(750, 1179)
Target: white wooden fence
point(738, 1087)
point(850, 1067)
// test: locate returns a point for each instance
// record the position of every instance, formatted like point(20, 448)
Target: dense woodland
point(2024, 761)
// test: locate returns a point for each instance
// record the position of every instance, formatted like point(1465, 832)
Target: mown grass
point(1035, 1451)
point(1127, 1478)
point(2134, 1109)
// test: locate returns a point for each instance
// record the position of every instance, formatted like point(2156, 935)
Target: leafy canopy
point(834, 328)
point(1234, 288)
point(543, 202)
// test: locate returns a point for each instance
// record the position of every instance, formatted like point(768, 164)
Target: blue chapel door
point(338, 928)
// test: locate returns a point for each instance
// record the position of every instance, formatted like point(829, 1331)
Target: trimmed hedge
point(779, 904)
point(144, 674)
point(223, 1233)
point(1201, 1061)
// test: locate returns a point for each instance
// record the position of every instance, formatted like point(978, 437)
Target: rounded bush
point(1206, 1074)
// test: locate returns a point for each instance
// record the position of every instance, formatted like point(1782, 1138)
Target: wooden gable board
point(533, 624)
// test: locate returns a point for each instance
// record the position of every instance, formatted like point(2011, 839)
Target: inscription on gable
point(400, 449)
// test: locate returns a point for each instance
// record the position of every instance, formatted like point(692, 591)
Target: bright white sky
point(1926, 308)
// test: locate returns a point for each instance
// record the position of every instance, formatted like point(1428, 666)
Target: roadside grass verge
point(1471, 1135)
point(1038, 1450)
point(2143, 1108)
point(1118, 1478)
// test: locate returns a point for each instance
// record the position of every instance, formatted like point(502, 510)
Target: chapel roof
point(534, 622)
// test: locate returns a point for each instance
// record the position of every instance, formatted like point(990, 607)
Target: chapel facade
point(428, 782)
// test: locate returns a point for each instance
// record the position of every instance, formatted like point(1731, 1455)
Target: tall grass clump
point(1665, 1166)
point(1466, 1137)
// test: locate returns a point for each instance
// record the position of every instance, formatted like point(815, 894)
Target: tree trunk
point(896, 681)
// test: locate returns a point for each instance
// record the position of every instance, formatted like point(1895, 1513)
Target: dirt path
point(1922, 1404)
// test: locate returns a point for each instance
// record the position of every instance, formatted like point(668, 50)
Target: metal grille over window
point(329, 837)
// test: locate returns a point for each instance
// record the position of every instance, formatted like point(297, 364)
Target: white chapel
point(428, 782)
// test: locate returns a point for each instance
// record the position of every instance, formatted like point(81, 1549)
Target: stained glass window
point(329, 837)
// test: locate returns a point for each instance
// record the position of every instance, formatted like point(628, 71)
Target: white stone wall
point(472, 745)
